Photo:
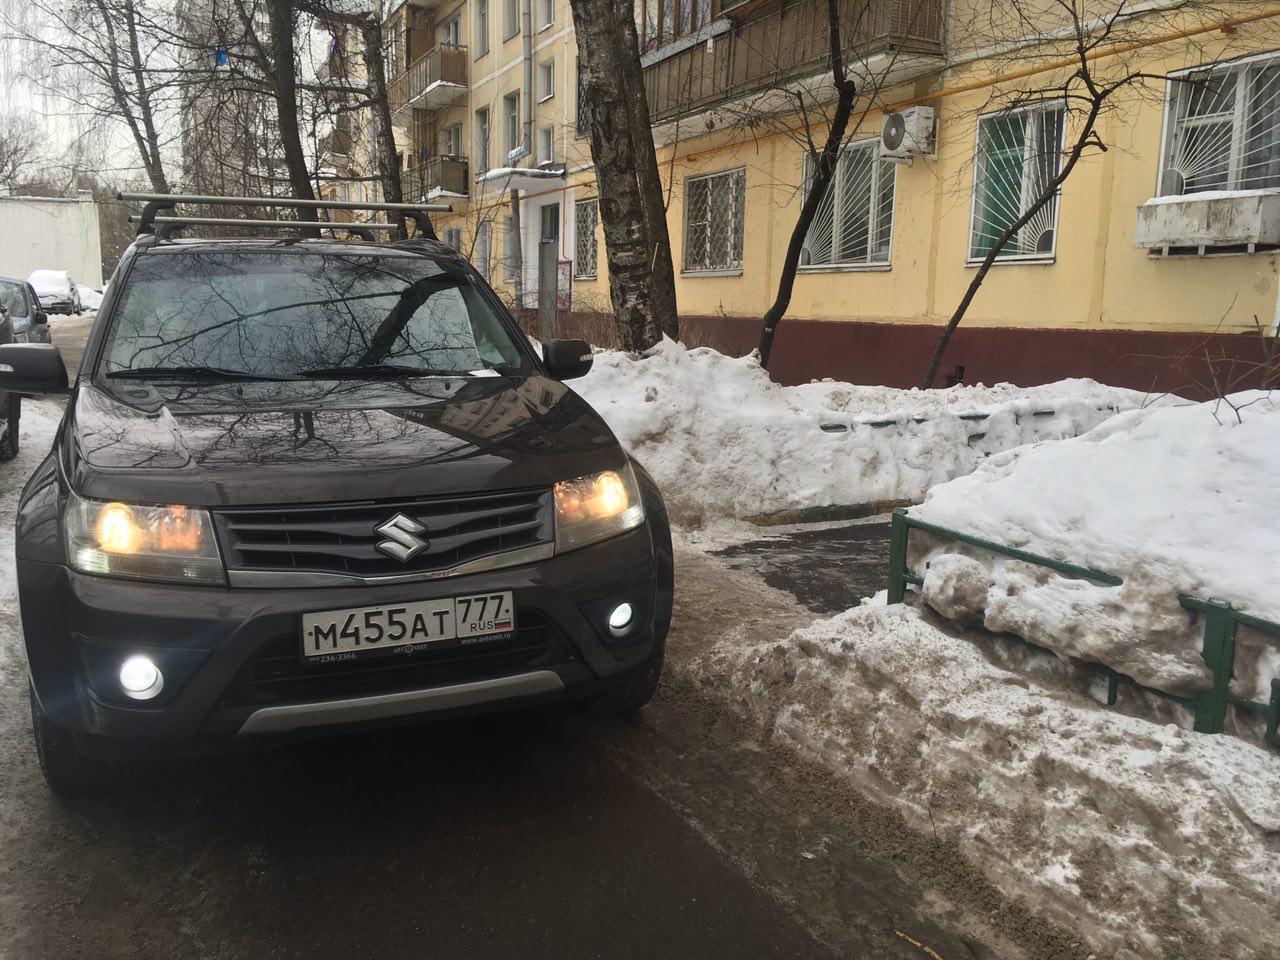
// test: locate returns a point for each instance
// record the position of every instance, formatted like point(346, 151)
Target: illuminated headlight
point(592, 508)
point(140, 542)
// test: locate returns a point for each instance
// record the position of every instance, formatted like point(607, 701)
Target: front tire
point(67, 771)
point(9, 446)
point(638, 689)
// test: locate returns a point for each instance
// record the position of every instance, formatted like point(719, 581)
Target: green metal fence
point(1221, 621)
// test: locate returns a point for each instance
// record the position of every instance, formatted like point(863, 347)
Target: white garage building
point(51, 233)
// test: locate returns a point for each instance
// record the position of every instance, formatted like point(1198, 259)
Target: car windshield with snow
point(320, 484)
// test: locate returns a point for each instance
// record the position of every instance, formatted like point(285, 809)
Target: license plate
point(403, 628)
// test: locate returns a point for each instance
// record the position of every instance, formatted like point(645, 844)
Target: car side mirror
point(32, 368)
point(41, 317)
point(566, 359)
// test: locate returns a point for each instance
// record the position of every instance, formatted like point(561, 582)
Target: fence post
point(1273, 715)
point(1219, 653)
point(898, 530)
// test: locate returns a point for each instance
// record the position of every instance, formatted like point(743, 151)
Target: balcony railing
point(780, 43)
point(438, 175)
point(435, 79)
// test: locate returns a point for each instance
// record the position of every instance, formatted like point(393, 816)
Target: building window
point(546, 80)
point(1019, 152)
point(714, 221)
point(581, 121)
point(585, 249)
point(547, 144)
point(1224, 129)
point(510, 265)
point(453, 237)
point(482, 140)
point(511, 117)
point(484, 248)
point(511, 19)
point(658, 22)
point(451, 32)
point(546, 13)
point(854, 221)
point(482, 28)
point(451, 140)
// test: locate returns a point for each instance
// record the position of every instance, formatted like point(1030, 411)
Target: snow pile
point(1173, 499)
point(1166, 842)
point(90, 299)
point(724, 441)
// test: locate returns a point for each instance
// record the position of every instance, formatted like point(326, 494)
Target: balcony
point(438, 177)
point(436, 79)
point(771, 45)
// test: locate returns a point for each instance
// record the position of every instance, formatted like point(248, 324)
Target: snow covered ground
point(40, 419)
point(1173, 499)
point(1149, 840)
point(726, 442)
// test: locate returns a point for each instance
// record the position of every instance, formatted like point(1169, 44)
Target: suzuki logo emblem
point(402, 541)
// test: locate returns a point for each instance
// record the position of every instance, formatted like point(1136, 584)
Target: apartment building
point(1155, 251)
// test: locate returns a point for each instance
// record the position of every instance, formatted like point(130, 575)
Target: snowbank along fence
point(1220, 620)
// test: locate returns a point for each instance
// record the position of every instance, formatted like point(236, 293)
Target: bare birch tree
point(632, 209)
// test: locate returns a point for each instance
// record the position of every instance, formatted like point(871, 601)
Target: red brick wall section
point(897, 355)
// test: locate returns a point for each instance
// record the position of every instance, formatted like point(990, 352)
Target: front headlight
point(144, 543)
point(595, 507)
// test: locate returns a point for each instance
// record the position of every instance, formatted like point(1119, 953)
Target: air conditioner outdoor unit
point(908, 134)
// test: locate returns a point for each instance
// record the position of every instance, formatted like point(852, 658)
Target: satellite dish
point(895, 131)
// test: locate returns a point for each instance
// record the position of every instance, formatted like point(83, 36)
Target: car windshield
point(287, 314)
point(12, 298)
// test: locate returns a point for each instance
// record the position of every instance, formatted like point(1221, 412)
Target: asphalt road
point(544, 834)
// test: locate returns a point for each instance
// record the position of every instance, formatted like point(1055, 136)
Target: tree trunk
point(284, 78)
point(384, 136)
point(824, 169)
point(632, 213)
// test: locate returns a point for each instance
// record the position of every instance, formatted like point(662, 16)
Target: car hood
point(267, 443)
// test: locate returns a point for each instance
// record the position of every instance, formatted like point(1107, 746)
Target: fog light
point(140, 677)
point(620, 619)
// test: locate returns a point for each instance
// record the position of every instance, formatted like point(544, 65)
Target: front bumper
point(233, 670)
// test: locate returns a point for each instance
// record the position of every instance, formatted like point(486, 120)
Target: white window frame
point(879, 168)
point(453, 238)
point(511, 20)
point(511, 120)
point(547, 143)
point(546, 80)
point(450, 30)
point(483, 256)
point(546, 11)
point(451, 140)
point(1042, 258)
point(510, 265)
point(1239, 124)
point(484, 138)
point(731, 270)
point(588, 237)
point(481, 40)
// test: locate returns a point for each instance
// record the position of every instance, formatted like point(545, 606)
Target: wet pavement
point(828, 569)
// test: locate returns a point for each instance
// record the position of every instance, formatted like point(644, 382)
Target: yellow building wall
point(1097, 280)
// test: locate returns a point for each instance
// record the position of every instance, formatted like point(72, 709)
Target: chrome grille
point(342, 538)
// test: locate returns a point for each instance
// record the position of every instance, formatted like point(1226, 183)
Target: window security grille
point(1019, 152)
point(585, 249)
point(854, 221)
point(714, 221)
point(1224, 129)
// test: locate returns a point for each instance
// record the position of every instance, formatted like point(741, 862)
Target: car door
point(36, 332)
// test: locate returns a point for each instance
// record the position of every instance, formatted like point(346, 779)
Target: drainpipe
point(526, 103)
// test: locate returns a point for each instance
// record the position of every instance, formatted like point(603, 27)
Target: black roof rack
point(148, 220)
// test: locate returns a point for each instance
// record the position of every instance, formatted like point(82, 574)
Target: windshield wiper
point(196, 373)
point(377, 371)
